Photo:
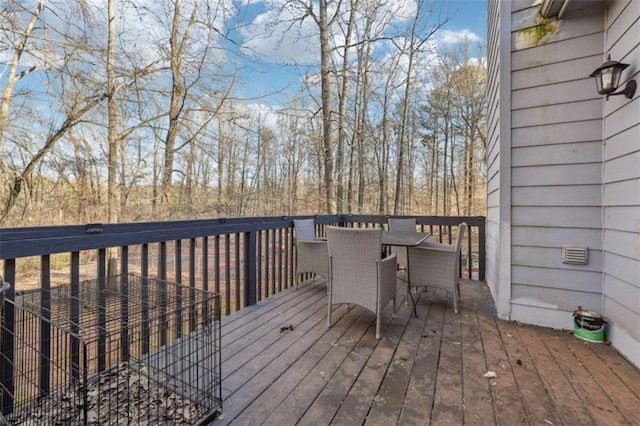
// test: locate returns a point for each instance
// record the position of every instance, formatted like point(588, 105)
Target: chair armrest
point(387, 279)
point(388, 262)
point(434, 264)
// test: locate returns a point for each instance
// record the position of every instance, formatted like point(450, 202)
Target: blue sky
point(271, 73)
point(470, 14)
point(253, 24)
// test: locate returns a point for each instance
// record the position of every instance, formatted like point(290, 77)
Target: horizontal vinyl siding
point(578, 280)
point(493, 152)
point(621, 144)
point(562, 195)
point(557, 175)
point(624, 193)
point(548, 258)
point(575, 152)
point(554, 134)
point(621, 195)
point(561, 299)
point(542, 115)
point(556, 167)
point(548, 237)
point(556, 73)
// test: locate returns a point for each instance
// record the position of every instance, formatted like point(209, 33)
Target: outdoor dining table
point(398, 238)
point(403, 238)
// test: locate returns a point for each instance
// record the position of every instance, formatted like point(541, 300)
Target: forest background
point(122, 111)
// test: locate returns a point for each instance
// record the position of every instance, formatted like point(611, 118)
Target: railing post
point(45, 325)
point(250, 262)
point(102, 306)
point(144, 271)
point(482, 241)
point(8, 330)
point(124, 304)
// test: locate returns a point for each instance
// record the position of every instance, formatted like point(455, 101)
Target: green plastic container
point(588, 326)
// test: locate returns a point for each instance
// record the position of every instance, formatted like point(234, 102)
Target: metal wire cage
point(125, 349)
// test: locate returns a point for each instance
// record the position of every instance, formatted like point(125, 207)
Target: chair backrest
point(354, 253)
point(305, 229)
point(405, 225)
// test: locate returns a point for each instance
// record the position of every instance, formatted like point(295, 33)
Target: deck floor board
point(424, 370)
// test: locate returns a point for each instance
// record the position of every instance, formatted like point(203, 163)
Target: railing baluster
point(279, 251)
point(481, 249)
point(236, 271)
point(257, 237)
point(74, 316)
point(102, 308)
point(45, 322)
point(267, 255)
point(272, 250)
point(205, 263)
point(144, 271)
point(124, 304)
point(161, 291)
point(8, 333)
point(290, 271)
point(216, 263)
point(227, 275)
point(178, 280)
point(192, 284)
point(250, 261)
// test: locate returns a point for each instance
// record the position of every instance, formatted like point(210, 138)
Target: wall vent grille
point(575, 255)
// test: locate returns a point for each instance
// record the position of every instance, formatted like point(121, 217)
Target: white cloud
point(260, 113)
point(455, 37)
point(278, 34)
point(142, 27)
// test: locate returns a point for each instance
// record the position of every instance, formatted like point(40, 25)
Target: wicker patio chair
point(357, 273)
point(405, 225)
point(311, 253)
point(436, 265)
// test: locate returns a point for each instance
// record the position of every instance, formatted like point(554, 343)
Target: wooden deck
point(425, 370)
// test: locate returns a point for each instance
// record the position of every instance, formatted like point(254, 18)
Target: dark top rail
point(24, 242)
point(41, 240)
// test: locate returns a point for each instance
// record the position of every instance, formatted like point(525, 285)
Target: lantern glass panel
point(607, 79)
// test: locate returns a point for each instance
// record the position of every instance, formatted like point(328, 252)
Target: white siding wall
point(621, 194)
point(556, 164)
point(498, 252)
point(563, 166)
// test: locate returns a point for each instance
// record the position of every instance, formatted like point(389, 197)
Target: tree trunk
point(327, 134)
point(112, 136)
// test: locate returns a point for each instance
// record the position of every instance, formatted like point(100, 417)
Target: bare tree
point(455, 120)
point(112, 116)
point(413, 44)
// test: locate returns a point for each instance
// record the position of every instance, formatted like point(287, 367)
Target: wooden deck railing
point(244, 260)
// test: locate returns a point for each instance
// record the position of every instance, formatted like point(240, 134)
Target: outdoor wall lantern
point(608, 77)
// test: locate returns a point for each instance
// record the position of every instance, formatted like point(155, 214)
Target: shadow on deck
point(425, 370)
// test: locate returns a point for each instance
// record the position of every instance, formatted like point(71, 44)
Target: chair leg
point(378, 327)
point(413, 302)
point(456, 297)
